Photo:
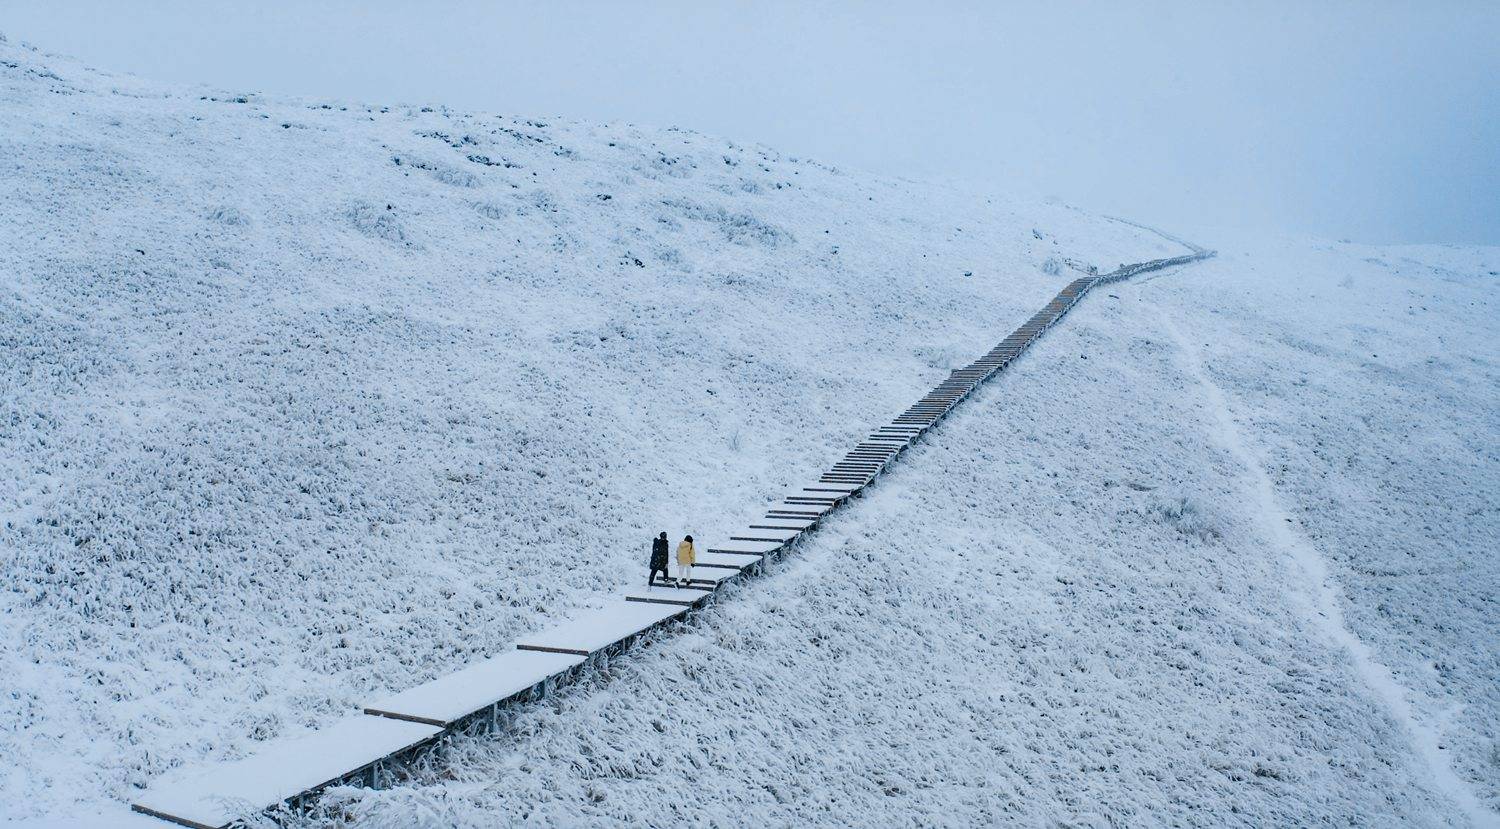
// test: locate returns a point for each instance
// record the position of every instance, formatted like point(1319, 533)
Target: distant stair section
point(360, 748)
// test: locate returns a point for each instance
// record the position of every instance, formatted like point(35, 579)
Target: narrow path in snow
point(1323, 595)
point(364, 748)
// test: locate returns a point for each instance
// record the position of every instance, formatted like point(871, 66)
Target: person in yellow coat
point(686, 556)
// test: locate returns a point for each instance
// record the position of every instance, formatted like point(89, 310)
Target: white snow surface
point(305, 403)
point(1073, 605)
point(200, 794)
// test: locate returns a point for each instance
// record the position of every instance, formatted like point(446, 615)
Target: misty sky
point(1375, 121)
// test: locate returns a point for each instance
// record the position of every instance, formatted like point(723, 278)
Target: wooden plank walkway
point(357, 749)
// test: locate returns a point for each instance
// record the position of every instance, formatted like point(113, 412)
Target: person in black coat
point(658, 559)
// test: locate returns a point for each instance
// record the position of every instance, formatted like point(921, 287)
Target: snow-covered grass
point(1372, 404)
point(1067, 607)
point(306, 402)
point(303, 403)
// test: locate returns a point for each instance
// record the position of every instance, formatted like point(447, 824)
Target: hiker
point(658, 560)
point(686, 555)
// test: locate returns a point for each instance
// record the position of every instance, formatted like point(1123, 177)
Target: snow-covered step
point(830, 495)
point(801, 522)
point(789, 523)
point(757, 548)
point(726, 561)
point(812, 502)
point(779, 537)
point(484, 684)
point(855, 469)
point(783, 520)
point(815, 498)
point(779, 516)
point(684, 597)
point(810, 510)
point(819, 508)
point(819, 489)
point(596, 629)
point(794, 513)
point(767, 533)
point(710, 577)
point(218, 795)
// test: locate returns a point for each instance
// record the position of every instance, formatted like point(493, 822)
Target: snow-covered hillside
point(1087, 599)
point(304, 402)
point(301, 402)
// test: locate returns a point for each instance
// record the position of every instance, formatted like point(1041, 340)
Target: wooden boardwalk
point(361, 748)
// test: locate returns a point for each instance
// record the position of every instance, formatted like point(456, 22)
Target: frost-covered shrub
point(1183, 515)
point(379, 223)
point(454, 176)
point(670, 256)
point(490, 210)
point(442, 172)
point(232, 216)
point(737, 227)
point(542, 200)
point(1053, 266)
point(678, 166)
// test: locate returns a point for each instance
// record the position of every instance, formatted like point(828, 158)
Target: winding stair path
point(363, 748)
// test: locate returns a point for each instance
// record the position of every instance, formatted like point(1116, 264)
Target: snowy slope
point(304, 402)
point(286, 424)
point(1073, 605)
